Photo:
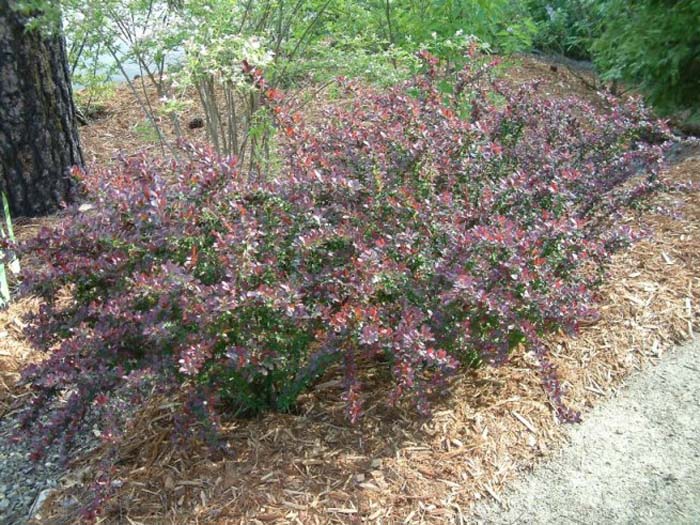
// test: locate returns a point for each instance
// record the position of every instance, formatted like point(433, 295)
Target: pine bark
point(39, 140)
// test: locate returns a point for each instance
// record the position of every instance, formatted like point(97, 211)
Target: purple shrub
point(420, 228)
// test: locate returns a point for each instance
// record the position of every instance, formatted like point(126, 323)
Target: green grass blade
point(8, 217)
point(8, 233)
point(4, 288)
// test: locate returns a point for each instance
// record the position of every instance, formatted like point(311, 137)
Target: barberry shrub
point(422, 228)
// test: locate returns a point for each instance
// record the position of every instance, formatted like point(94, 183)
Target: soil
point(635, 459)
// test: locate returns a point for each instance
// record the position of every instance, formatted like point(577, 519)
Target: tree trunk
point(38, 132)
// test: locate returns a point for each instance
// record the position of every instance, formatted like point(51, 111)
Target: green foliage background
point(650, 45)
point(654, 44)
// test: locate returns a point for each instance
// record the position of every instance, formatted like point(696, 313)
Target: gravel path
point(21, 480)
point(25, 484)
point(634, 460)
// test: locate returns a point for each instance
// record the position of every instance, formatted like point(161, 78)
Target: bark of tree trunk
point(39, 140)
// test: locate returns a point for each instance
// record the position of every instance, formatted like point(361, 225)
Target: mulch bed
point(392, 468)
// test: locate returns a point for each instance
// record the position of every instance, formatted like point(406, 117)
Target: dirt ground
point(634, 460)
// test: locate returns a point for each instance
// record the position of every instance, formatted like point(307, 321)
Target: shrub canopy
point(423, 228)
